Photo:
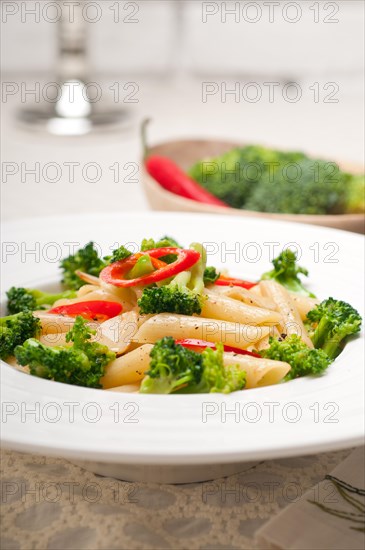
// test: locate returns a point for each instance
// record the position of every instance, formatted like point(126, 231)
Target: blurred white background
point(168, 53)
point(283, 39)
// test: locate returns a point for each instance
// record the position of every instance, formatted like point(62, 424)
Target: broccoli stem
point(321, 332)
point(26, 299)
point(333, 347)
point(45, 298)
point(182, 278)
point(197, 271)
point(142, 267)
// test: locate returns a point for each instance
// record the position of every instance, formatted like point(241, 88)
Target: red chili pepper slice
point(93, 310)
point(114, 274)
point(230, 281)
point(170, 176)
point(193, 344)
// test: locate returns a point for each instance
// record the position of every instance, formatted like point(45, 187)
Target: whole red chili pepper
point(170, 176)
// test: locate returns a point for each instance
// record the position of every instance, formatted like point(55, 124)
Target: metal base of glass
point(52, 123)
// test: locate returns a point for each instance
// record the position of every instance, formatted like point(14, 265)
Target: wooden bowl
point(187, 152)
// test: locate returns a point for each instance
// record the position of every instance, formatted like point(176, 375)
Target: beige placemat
point(330, 515)
point(49, 503)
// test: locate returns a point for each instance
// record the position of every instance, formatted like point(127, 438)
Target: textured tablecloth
point(49, 503)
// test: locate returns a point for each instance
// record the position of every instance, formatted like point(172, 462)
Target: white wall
point(234, 46)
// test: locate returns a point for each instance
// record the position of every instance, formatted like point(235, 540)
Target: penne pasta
point(54, 324)
point(213, 330)
point(124, 294)
point(127, 369)
point(259, 372)
point(264, 343)
point(86, 289)
point(98, 294)
point(127, 388)
point(55, 339)
point(13, 363)
point(256, 290)
point(244, 295)
point(225, 308)
point(292, 322)
point(87, 277)
point(303, 304)
point(118, 332)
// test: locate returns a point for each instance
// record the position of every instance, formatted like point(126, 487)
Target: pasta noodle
point(264, 343)
point(55, 339)
point(292, 322)
point(244, 295)
point(96, 293)
point(220, 307)
point(127, 369)
point(54, 324)
point(127, 388)
point(118, 332)
point(213, 330)
point(259, 372)
point(303, 304)
point(85, 290)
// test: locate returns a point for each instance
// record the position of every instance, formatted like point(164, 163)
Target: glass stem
point(72, 63)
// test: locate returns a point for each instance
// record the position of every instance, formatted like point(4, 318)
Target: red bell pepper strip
point(230, 281)
point(115, 273)
point(92, 310)
point(170, 176)
point(193, 344)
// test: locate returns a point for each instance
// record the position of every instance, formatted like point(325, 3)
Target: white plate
point(187, 437)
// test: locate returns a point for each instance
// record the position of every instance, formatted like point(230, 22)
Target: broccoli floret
point(81, 364)
point(15, 329)
point(355, 199)
point(266, 180)
point(286, 273)
point(233, 176)
point(210, 275)
point(25, 299)
point(314, 187)
point(182, 295)
point(216, 378)
point(174, 297)
point(149, 244)
point(330, 323)
point(301, 358)
point(175, 369)
point(86, 259)
point(118, 254)
point(222, 177)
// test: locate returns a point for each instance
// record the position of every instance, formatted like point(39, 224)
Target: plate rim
point(167, 458)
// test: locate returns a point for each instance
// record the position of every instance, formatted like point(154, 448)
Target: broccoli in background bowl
point(266, 180)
